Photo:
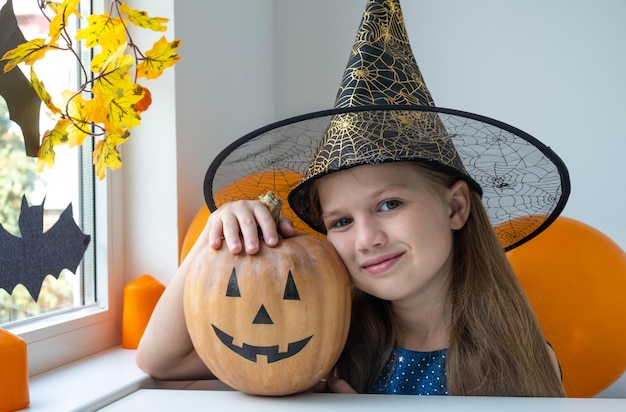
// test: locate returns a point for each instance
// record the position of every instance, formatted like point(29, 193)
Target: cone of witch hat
point(384, 112)
point(381, 71)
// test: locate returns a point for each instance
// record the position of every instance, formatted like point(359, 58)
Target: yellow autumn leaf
point(161, 56)
point(51, 138)
point(105, 153)
point(81, 113)
point(42, 92)
point(121, 114)
point(115, 94)
point(99, 59)
point(102, 30)
point(59, 21)
point(57, 8)
point(28, 53)
point(141, 19)
point(105, 91)
point(116, 70)
point(115, 139)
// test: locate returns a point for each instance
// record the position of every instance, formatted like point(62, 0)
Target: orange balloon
point(193, 231)
point(278, 181)
point(575, 279)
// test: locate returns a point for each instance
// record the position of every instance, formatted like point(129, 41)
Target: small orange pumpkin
point(273, 323)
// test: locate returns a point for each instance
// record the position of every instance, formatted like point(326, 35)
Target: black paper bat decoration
point(21, 99)
point(30, 258)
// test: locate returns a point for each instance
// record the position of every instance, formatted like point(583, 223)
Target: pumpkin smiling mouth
point(250, 352)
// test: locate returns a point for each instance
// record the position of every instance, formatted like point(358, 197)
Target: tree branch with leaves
point(110, 101)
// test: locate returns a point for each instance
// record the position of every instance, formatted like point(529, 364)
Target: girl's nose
point(369, 234)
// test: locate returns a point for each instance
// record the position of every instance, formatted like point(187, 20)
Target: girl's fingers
point(337, 385)
point(266, 228)
point(285, 226)
point(243, 224)
point(247, 232)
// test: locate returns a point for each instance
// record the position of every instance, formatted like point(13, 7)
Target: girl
point(434, 292)
point(437, 308)
point(433, 289)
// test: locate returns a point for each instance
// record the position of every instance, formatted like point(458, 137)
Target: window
point(69, 182)
point(70, 307)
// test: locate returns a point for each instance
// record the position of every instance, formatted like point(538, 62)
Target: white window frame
point(58, 339)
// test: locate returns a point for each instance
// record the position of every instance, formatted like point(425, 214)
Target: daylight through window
point(70, 182)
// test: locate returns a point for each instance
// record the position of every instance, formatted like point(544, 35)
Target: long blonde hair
point(496, 345)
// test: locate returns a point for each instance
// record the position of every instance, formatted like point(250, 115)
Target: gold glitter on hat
point(381, 70)
point(384, 112)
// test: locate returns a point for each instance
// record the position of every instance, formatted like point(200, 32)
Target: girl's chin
point(387, 292)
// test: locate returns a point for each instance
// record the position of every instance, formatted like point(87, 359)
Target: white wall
point(149, 169)
point(224, 85)
point(553, 69)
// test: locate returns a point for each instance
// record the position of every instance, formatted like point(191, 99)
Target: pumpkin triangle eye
point(233, 287)
point(291, 292)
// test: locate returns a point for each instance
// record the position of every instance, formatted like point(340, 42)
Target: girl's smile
point(380, 264)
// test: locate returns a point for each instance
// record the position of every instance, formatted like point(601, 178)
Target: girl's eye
point(341, 222)
point(389, 205)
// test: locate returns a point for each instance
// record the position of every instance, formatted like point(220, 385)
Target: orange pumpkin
point(273, 323)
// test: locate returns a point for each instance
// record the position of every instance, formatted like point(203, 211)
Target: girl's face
point(393, 228)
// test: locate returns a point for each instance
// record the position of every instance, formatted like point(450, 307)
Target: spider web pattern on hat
point(522, 186)
point(384, 112)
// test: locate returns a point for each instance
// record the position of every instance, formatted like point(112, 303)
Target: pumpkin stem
point(273, 203)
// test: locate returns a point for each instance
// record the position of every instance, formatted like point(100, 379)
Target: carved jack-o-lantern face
point(262, 317)
point(273, 323)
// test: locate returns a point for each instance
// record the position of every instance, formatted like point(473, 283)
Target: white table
point(155, 400)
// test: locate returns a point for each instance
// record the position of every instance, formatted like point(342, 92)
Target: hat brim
point(525, 185)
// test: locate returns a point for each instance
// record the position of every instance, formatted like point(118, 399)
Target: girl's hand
point(244, 221)
point(334, 385)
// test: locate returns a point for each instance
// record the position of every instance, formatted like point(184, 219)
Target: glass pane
point(69, 182)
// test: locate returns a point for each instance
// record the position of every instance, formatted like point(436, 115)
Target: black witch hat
point(384, 113)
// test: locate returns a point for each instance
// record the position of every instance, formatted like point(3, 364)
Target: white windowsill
point(87, 384)
point(94, 382)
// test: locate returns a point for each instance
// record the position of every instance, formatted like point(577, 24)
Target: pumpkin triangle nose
point(262, 317)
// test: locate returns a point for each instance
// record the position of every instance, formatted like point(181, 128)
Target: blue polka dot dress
point(413, 373)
